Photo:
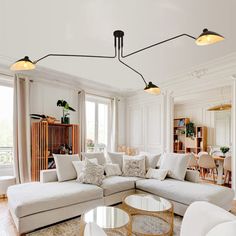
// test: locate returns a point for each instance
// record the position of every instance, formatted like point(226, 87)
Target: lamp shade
point(23, 64)
point(208, 37)
point(152, 88)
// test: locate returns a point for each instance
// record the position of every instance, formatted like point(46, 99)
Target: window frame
point(105, 101)
point(6, 82)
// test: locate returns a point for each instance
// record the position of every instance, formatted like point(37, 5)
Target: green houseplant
point(65, 119)
point(224, 150)
point(190, 130)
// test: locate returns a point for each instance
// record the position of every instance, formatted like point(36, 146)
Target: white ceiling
point(36, 28)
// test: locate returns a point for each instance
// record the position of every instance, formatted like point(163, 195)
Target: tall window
point(97, 123)
point(6, 125)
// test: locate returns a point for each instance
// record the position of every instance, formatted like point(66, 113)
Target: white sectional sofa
point(34, 205)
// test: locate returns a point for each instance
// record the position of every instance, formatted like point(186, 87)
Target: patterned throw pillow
point(91, 173)
point(112, 170)
point(134, 166)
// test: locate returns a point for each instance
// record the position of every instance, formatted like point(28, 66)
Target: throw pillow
point(116, 158)
point(176, 164)
point(64, 166)
point(134, 166)
point(192, 176)
point(91, 173)
point(98, 155)
point(112, 169)
point(159, 174)
point(79, 165)
point(151, 159)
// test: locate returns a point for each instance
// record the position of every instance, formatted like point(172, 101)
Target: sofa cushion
point(116, 158)
point(112, 169)
point(98, 155)
point(187, 192)
point(176, 164)
point(91, 173)
point(116, 184)
point(151, 160)
point(134, 166)
point(30, 198)
point(64, 166)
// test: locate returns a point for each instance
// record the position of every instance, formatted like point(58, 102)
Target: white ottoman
point(5, 182)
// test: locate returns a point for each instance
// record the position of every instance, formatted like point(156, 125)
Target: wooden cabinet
point(180, 134)
point(47, 139)
point(184, 144)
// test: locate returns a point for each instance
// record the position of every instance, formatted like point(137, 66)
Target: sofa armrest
point(48, 176)
point(192, 176)
point(201, 217)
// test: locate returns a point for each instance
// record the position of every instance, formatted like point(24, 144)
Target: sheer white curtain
point(82, 120)
point(114, 124)
point(21, 124)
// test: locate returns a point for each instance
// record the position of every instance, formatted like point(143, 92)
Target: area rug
point(72, 227)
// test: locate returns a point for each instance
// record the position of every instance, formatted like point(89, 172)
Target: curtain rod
point(97, 95)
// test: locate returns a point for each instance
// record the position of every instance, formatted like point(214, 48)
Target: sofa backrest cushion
point(98, 155)
point(151, 159)
point(116, 158)
point(176, 164)
point(112, 169)
point(64, 166)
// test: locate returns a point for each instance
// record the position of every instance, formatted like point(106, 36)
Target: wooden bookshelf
point(179, 134)
point(46, 139)
point(199, 142)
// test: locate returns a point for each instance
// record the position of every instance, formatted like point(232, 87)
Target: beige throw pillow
point(112, 170)
point(151, 159)
point(159, 174)
point(91, 173)
point(134, 166)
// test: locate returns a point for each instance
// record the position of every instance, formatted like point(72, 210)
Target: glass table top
point(107, 217)
point(147, 202)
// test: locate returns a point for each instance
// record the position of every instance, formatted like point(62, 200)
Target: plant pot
point(65, 120)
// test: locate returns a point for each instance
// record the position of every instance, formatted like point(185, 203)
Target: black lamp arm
point(131, 69)
point(153, 45)
point(73, 55)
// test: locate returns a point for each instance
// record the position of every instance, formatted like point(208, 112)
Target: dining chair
point(207, 164)
point(202, 153)
point(227, 169)
point(193, 161)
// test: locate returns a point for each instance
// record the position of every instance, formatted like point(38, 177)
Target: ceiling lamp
point(23, 64)
point(206, 38)
point(222, 107)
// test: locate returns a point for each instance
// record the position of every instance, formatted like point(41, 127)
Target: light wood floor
point(7, 227)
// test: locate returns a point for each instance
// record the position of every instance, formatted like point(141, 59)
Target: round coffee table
point(151, 215)
point(112, 220)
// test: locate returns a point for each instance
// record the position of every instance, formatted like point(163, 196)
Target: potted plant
point(224, 150)
point(65, 119)
point(190, 130)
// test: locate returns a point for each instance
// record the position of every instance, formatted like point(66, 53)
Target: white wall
point(144, 122)
point(44, 97)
